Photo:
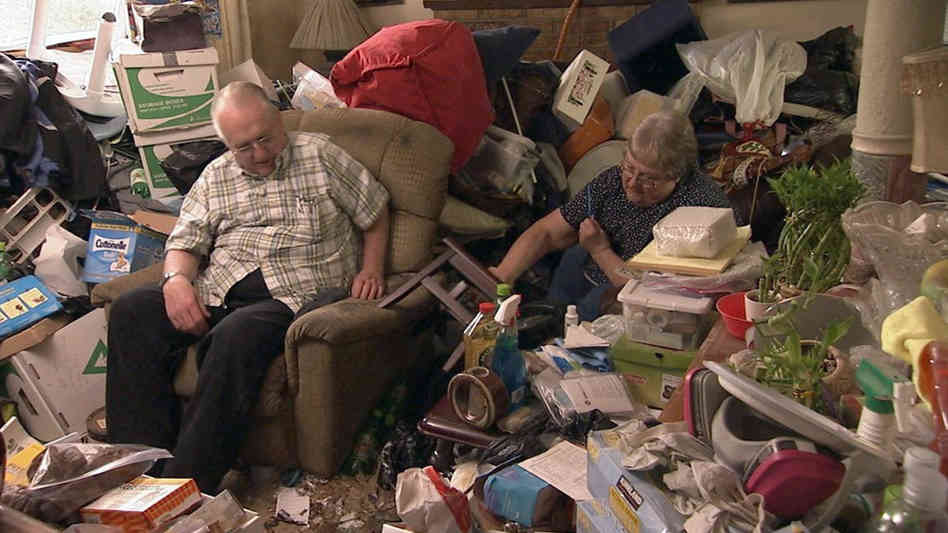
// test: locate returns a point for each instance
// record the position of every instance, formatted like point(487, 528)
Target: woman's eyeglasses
point(647, 181)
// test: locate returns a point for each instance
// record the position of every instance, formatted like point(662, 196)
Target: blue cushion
point(501, 48)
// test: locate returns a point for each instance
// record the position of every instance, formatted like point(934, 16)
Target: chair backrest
point(411, 159)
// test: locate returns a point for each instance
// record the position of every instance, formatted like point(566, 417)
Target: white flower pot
point(755, 310)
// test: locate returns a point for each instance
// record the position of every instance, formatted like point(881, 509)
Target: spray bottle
point(888, 400)
point(508, 362)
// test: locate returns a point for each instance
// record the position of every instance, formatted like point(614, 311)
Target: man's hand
point(591, 237)
point(185, 311)
point(368, 285)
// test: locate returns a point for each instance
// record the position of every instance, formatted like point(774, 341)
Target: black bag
point(187, 161)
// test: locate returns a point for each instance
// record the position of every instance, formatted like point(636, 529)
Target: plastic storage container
point(664, 318)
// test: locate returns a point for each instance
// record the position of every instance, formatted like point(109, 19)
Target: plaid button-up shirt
point(300, 226)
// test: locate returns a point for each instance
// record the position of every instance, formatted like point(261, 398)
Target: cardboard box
point(161, 222)
point(633, 499)
point(143, 504)
point(197, 133)
point(653, 372)
point(23, 302)
point(168, 90)
point(578, 88)
point(118, 246)
point(250, 71)
point(32, 335)
point(59, 382)
point(594, 516)
point(156, 179)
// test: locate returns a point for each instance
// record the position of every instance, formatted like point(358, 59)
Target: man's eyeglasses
point(647, 181)
point(261, 142)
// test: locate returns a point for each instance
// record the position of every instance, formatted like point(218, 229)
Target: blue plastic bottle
point(508, 362)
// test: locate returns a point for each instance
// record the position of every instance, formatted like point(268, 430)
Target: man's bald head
point(240, 96)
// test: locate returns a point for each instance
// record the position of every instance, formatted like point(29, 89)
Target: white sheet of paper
point(564, 467)
point(605, 392)
point(579, 337)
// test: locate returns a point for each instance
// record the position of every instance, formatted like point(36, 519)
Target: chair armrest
point(108, 292)
point(352, 319)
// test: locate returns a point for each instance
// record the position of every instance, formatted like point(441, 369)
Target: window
point(67, 20)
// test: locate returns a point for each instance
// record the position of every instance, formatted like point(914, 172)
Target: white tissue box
point(695, 232)
point(578, 88)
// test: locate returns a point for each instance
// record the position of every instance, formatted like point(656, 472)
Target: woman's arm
point(550, 233)
point(595, 241)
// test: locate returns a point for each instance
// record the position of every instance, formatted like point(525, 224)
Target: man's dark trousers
point(144, 353)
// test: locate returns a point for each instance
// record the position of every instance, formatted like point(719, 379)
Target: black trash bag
point(17, 134)
point(834, 50)
point(187, 161)
point(832, 90)
point(408, 448)
point(579, 425)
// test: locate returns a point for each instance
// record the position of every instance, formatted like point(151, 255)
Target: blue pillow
point(500, 49)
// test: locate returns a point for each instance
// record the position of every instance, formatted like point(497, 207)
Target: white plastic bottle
point(571, 318)
point(921, 507)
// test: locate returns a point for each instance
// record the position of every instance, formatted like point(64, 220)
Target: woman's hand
point(592, 238)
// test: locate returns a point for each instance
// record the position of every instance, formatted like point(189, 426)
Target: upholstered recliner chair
point(340, 359)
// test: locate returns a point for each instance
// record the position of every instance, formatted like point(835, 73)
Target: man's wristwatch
point(167, 276)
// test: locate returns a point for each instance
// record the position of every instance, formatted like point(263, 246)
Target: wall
point(273, 23)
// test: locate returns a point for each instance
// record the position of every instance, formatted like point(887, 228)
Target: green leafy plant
point(813, 250)
point(793, 365)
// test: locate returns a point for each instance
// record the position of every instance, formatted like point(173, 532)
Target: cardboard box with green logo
point(169, 90)
point(60, 381)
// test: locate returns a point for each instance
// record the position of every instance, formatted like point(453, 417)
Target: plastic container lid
point(504, 289)
point(634, 293)
point(917, 456)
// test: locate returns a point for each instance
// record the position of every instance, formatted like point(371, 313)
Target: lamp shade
point(332, 25)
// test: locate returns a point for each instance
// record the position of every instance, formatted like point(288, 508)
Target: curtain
point(234, 44)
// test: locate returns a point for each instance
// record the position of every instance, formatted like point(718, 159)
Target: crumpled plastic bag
point(426, 503)
point(313, 91)
point(750, 68)
point(58, 262)
point(64, 477)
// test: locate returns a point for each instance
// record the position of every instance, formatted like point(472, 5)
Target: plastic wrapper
point(503, 161)
point(187, 161)
point(313, 91)
point(695, 231)
point(750, 68)
point(900, 241)
point(426, 503)
point(742, 275)
point(67, 476)
point(551, 388)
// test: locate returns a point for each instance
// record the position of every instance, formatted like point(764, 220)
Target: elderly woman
point(612, 217)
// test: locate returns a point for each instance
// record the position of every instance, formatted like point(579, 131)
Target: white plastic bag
point(504, 161)
point(426, 503)
point(313, 91)
point(750, 68)
point(58, 262)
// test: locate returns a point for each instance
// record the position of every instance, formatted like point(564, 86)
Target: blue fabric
point(571, 286)
point(591, 358)
point(500, 49)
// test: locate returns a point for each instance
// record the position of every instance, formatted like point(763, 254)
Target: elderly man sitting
point(266, 229)
point(612, 217)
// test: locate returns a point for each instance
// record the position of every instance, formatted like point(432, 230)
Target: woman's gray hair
point(238, 92)
point(666, 141)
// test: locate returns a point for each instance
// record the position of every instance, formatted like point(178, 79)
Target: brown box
point(32, 335)
point(143, 503)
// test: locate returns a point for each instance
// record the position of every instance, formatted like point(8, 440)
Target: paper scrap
point(579, 337)
point(605, 392)
point(292, 506)
point(564, 467)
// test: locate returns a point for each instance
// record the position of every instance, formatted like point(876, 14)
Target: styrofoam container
point(695, 231)
point(664, 318)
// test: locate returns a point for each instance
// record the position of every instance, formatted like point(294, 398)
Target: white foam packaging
point(691, 231)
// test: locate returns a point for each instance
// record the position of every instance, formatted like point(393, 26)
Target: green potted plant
point(797, 367)
point(813, 250)
point(759, 302)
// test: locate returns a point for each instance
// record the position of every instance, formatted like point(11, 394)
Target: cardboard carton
point(118, 246)
point(250, 71)
point(578, 88)
point(32, 335)
point(169, 90)
point(143, 504)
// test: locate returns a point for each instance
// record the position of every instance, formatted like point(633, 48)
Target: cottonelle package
point(118, 246)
